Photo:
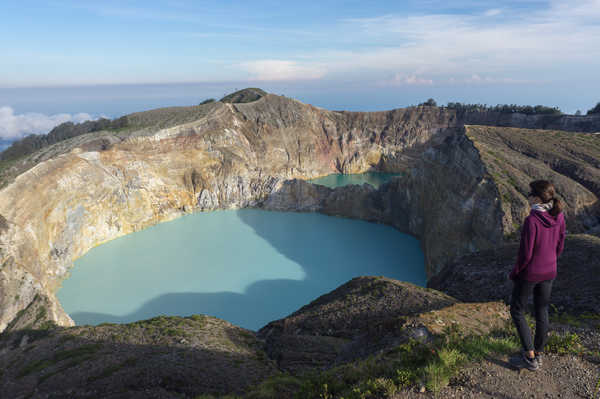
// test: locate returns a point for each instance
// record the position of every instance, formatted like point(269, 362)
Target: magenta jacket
point(542, 242)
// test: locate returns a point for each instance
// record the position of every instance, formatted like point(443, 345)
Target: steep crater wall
point(84, 192)
point(446, 199)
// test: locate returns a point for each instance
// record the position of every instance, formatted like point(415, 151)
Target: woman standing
point(542, 241)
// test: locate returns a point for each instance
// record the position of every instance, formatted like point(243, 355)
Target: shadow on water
point(330, 251)
point(251, 310)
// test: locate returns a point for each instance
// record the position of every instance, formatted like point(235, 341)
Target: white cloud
point(447, 41)
point(478, 79)
point(282, 70)
point(400, 79)
point(15, 126)
point(493, 12)
point(528, 46)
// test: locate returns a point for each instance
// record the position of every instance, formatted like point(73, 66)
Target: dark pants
point(541, 299)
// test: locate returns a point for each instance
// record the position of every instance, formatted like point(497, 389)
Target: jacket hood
point(545, 218)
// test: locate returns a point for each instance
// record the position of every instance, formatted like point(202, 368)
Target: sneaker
point(538, 357)
point(521, 361)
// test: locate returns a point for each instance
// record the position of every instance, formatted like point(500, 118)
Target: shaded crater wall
point(446, 199)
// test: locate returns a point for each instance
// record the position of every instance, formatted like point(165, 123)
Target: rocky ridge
point(366, 315)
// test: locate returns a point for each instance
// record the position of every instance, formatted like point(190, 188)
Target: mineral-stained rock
point(66, 198)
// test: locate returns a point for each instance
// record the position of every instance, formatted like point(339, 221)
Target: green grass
point(78, 354)
point(74, 362)
point(198, 318)
point(35, 366)
point(6, 176)
point(110, 370)
point(66, 338)
point(440, 370)
point(413, 363)
point(384, 375)
point(282, 385)
point(15, 320)
point(564, 344)
point(40, 314)
point(590, 316)
point(566, 318)
point(165, 326)
point(586, 319)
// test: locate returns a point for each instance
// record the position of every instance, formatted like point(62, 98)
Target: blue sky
point(337, 54)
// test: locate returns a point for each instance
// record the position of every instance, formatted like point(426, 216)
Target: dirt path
point(567, 376)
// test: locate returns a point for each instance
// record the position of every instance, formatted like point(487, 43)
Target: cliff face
point(446, 199)
point(64, 199)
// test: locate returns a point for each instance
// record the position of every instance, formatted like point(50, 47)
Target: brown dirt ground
point(568, 376)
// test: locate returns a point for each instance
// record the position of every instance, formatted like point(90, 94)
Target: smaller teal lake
point(246, 266)
point(337, 180)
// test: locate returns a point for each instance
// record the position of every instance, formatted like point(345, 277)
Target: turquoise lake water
point(246, 266)
point(337, 180)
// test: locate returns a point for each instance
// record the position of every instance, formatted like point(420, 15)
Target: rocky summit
point(461, 189)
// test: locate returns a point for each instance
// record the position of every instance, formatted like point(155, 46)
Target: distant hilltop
point(67, 130)
point(244, 96)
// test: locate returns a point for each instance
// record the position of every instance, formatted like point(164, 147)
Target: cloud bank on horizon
point(14, 126)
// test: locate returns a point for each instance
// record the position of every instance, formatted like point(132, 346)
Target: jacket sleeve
point(525, 248)
point(561, 239)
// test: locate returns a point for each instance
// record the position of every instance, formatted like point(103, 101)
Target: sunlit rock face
point(96, 187)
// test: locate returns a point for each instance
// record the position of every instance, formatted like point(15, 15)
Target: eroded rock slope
point(69, 197)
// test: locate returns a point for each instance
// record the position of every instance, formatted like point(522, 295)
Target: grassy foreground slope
point(372, 337)
point(160, 357)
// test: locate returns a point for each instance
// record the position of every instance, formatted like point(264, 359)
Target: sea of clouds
point(15, 126)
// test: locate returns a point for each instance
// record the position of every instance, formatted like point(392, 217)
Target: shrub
point(429, 103)
point(564, 344)
point(64, 131)
point(595, 110)
point(506, 108)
